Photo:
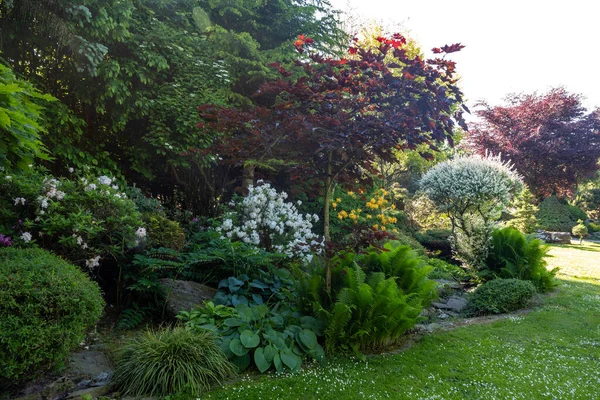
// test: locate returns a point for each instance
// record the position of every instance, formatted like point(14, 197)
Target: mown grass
point(552, 352)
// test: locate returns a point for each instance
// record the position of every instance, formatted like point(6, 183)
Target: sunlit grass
point(551, 353)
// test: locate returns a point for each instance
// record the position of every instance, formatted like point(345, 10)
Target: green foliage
point(270, 286)
point(580, 230)
point(211, 258)
point(369, 314)
point(524, 218)
point(436, 241)
point(400, 262)
point(588, 200)
point(576, 212)
point(163, 232)
point(366, 313)
point(513, 255)
point(445, 270)
point(276, 337)
point(500, 296)
point(170, 361)
point(46, 305)
point(20, 131)
point(555, 215)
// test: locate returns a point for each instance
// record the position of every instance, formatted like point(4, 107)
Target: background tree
point(473, 191)
point(340, 114)
point(130, 74)
point(549, 137)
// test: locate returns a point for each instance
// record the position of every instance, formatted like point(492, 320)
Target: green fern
point(134, 316)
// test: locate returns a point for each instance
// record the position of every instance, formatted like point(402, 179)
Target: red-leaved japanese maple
point(329, 117)
point(549, 137)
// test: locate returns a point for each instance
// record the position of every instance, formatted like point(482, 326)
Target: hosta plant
point(276, 338)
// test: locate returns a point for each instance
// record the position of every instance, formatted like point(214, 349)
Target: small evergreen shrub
point(513, 255)
point(46, 305)
point(580, 230)
point(437, 241)
point(170, 361)
point(500, 296)
point(163, 232)
point(554, 215)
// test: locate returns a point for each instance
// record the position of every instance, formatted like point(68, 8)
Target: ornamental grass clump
point(170, 361)
point(473, 191)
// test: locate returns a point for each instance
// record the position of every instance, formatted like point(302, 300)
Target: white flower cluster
point(140, 232)
point(80, 240)
point(26, 236)
point(103, 184)
point(92, 262)
point(264, 219)
point(19, 200)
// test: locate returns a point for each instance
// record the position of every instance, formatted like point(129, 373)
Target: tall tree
point(332, 120)
point(550, 138)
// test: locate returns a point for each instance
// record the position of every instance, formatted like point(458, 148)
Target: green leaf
point(260, 360)
point(231, 322)
point(277, 363)
point(308, 338)
point(238, 348)
point(291, 360)
point(249, 339)
point(269, 352)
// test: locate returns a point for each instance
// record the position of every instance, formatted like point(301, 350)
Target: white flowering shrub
point(264, 219)
point(473, 191)
point(85, 219)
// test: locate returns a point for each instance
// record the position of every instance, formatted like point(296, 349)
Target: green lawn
point(551, 353)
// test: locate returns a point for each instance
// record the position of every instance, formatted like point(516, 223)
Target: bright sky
point(512, 46)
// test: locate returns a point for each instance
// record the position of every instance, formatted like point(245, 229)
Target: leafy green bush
point(162, 232)
point(445, 270)
point(500, 296)
point(276, 337)
point(513, 255)
point(437, 241)
point(46, 304)
point(555, 216)
point(170, 361)
point(593, 227)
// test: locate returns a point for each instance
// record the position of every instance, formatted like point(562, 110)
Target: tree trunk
point(247, 178)
point(326, 233)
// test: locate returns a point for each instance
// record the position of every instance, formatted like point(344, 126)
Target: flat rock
point(185, 295)
point(94, 392)
point(454, 303)
point(88, 364)
point(561, 237)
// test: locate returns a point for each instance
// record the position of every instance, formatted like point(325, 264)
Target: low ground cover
point(551, 352)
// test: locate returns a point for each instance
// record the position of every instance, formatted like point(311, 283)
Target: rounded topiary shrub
point(170, 361)
point(46, 305)
point(500, 296)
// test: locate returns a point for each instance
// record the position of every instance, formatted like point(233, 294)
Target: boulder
point(185, 295)
point(561, 237)
point(554, 237)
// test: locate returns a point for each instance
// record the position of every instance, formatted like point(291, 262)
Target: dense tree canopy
point(549, 137)
point(129, 76)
